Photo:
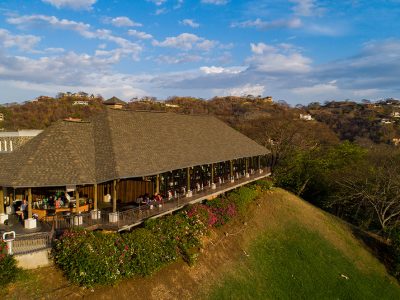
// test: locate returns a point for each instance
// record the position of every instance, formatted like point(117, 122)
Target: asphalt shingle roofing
point(122, 144)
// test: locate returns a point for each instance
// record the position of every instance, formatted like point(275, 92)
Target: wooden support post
point(212, 173)
point(158, 184)
point(247, 165)
point(259, 162)
point(231, 162)
point(114, 196)
point(1, 201)
point(95, 196)
point(29, 203)
point(77, 200)
point(188, 179)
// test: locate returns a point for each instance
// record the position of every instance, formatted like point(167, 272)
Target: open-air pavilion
point(103, 168)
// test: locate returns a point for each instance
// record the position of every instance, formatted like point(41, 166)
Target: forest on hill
point(341, 156)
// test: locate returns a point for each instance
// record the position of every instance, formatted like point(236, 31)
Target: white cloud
point(157, 2)
point(83, 29)
point(307, 8)
point(278, 58)
point(139, 34)
point(190, 22)
point(160, 11)
point(178, 59)
point(264, 25)
point(43, 20)
point(74, 4)
point(187, 41)
point(221, 70)
point(247, 89)
point(321, 89)
point(122, 22)
point(22, 42)
point(215, 2)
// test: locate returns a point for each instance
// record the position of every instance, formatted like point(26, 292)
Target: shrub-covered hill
point(284, 248)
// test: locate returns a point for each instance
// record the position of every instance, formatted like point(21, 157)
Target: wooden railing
point(131, 217)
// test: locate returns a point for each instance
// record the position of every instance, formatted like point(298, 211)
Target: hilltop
point(284, 248)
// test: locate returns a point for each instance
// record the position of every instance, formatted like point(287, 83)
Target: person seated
point(58, 203)
point(52, 201)
point(24, 210)
point(158, 198)
point(170, 195)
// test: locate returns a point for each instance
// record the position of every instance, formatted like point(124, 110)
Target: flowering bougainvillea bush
point(8, 266)
point(91, 258)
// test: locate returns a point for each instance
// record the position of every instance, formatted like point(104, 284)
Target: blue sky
point(296, 50)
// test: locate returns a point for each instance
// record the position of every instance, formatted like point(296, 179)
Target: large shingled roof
point(122, 144)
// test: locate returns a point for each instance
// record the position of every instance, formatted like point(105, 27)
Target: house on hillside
point(396, 141)
point(171, 105)
point(396, 114)
point(306, 117)
point(386, 121)
point(119, 158)
point(268, 99)
point(80, 102)
point(114, 102)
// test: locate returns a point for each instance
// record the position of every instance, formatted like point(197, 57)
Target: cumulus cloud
point(221, 70)
point(187, 41)
point(73, 4)
point(215, 2)
point(247, 89)
point(282, 58)
point(190, 22)
point(22, 42)
point(157, 2)
point(122, 22)
point(139, 34)
point(307, 8)
point(265, 25)
point(81, 28)
point(43, 20)
point(178, 59)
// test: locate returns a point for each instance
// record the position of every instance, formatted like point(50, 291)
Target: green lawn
point(296, 263)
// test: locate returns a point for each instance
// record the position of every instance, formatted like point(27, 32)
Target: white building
point(80, 102)
point(306, 117)
point(396, 114)
point(11, 140)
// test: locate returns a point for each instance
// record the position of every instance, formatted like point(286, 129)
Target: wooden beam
point(95, 196)
point(231, 163)
point(259, 162)
point(158, 184)
point(212, 173)
point(247, 165)
point(77, 200)
point(114, 195)
point(29, 203)
point(1, 201)
point(188, 179)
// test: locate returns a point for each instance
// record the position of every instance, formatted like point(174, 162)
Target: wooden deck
point(123, 220)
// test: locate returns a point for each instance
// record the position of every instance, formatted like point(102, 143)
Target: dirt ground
point(225, 248)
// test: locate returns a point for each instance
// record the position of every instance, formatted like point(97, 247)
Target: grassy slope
point(284, 249)
point(301, 253)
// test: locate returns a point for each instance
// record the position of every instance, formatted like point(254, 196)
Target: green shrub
point(143, 253)
point(89, 257)
point(243, 196)
point(8, 266)
point(93, 258)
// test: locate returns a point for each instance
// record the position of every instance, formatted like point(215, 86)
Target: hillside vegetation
point(283, 249)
